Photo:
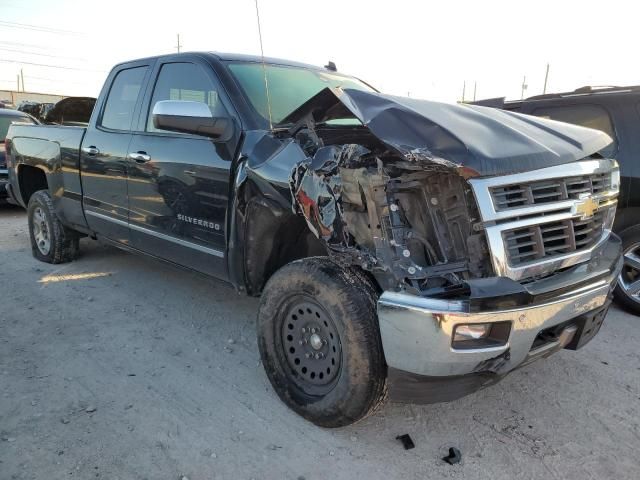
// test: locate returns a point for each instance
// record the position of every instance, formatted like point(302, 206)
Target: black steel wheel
point(319, 341)
point(311, 344)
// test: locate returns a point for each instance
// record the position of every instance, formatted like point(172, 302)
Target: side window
point(592, 116)
point(184, 81)
point(121, 101)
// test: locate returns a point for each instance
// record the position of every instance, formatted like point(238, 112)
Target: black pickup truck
point(399, 245)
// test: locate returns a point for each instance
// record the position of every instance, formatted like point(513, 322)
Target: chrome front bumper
point(417, 332)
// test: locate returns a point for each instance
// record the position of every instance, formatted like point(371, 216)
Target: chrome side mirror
point(190, 117)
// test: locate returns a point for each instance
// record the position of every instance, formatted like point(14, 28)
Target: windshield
point(5, 122)
point(289, 87)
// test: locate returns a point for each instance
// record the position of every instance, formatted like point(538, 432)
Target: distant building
point(16, 97)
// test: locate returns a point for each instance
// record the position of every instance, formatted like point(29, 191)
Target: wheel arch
point(31, 178)
point(626, 218)
point(264, 231)
point(274, 238)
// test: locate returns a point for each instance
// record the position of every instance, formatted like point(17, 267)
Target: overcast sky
point(426, 49)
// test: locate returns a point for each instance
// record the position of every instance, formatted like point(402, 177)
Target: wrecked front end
point(488, 233)
point(409, 223)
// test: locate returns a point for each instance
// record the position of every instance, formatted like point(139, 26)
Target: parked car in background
point(7, 117)
point(71, 111)
point(37, 110)
point(615, 111)
point(6, 104)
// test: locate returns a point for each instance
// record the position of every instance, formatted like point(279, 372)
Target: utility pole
point(22, 78)
point(524, 87)
point(18, 78)
point(546, 77)
point(475, 89)
point(464, 89)
point(178, 45)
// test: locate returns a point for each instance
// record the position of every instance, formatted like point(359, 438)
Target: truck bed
point(55, 150)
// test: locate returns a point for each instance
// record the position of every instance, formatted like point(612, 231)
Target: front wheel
point(51, 241)
point(320, 343)
point(627, 292)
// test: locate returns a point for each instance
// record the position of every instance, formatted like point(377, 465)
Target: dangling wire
point(264, 69)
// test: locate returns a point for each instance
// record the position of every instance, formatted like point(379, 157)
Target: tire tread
point(65, 243)
point(357, 298)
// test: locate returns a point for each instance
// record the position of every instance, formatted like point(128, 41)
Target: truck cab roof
point(232, 57)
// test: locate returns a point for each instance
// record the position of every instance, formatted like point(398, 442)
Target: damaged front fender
point(409, 226)
point(316, 187)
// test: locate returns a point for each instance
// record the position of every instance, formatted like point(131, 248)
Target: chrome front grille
point(539, 221)
point(547, 191)
point(547, 240)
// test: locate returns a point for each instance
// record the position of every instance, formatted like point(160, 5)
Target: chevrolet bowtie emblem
point(586, 208)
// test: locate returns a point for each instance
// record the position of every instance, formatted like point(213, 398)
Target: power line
point(22, 44)
point(21, 7)
point(52, 66)
point(38, 28)
point(39, 54)
point(57, 80)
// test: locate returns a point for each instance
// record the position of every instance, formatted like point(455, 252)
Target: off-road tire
point(345, 300)
point(630, 239)
point(64, 243)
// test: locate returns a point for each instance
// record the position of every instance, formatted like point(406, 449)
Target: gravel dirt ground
point(120, 367)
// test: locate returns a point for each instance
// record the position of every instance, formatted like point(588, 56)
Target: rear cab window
point(121, 101)
point(591, 116)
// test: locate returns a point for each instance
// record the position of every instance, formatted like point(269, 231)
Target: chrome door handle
point(91, 150)
point(190, 172)
point(139, 157)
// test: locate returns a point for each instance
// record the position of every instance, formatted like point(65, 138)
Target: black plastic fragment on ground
point(407, 443)
point(454, 456)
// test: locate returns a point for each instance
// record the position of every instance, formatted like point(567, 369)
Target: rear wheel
point(627, 291)
point(51, 241)
point(319, 341)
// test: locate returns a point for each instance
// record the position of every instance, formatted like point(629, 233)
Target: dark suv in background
point(616, 111)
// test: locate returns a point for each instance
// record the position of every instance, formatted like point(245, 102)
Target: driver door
point(179, 183)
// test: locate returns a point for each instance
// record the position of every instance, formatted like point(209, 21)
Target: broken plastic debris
point(406, 440)
point(454, 456)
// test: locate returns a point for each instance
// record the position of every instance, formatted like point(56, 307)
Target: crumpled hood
point(487, 140)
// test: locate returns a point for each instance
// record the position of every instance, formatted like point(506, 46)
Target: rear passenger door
point(103, 155)
point(179, 183)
